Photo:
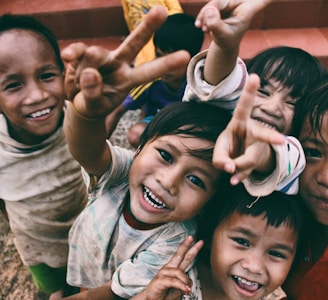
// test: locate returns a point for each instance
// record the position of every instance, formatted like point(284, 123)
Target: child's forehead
point(24, 35)
point(315, 132)
point(28, 42)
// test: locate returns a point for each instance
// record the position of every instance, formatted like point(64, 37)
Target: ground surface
point(15, 280)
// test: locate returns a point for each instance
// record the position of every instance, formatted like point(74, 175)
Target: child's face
point(314, 179)
point(167, 183)
point(31, 85)
point(274, 106)
point(249, 258)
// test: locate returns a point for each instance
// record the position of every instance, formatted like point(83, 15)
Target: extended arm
point(104, 79)
point(227, 22)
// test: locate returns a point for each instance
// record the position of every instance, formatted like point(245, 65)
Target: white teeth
point(267, 125)
point(40, 113)
point(246, 282)
point(152, 199)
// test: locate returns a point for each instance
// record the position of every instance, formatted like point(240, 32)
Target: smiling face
point(31, 85)
point(249, 258)
point(314, 179)
point(274, 107)
point(167, 183)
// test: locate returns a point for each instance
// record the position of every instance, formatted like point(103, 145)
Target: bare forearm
point(87, 141)
point(219, 63)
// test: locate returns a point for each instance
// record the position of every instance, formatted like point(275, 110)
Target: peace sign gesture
point(171, 282)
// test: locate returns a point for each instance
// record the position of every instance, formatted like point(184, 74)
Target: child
point(42, 186)
point(310, 279)
point(134, 12)
point(250, 247)
point(285, 75)
point(177, 33)
point(141, 205)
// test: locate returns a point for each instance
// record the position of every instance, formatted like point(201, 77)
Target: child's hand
point(171, 282)
point(105, 77)
point(228, 20)
point(245, 145)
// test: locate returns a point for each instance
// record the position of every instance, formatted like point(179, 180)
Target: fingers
point(185, 254)
point(156, 68)
point(73, 52)
point(244, 107)
point(130, 47)
point(91, 84)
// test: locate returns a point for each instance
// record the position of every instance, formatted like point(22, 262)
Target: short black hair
point(193, 119)
point(178, 32)
point(12, 21)
point(313, 107)
point(291, 67)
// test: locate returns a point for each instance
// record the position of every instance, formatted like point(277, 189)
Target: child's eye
point(196, 181)
point(312, 153)
point(241, 241)
point(48, 75)
point(165, 155)
point(263, 92)
point(277, 254)
point(291, 102)
point(13, 85)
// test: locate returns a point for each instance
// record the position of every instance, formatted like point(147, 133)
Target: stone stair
point(296, 23)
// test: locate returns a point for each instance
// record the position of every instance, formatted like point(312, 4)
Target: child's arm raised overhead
point(98, 80)
point(227, 22)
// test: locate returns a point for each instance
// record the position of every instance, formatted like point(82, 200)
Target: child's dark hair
point(11, 22)
point(277, 208)
point(178, 32)
point(313, 107)
point(201, 120)
point(291, 67)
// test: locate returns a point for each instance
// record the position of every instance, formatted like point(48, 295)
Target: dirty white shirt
point(43, 190)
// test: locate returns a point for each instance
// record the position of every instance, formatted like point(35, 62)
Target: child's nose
point(253, 263)
point(35, 94)
point(322, 174)
point(170, 179)
point(275, 105)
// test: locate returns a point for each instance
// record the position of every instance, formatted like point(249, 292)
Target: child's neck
point(133, 221)
point(210, 290)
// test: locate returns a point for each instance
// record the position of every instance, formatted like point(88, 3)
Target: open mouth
point(152, 199)
point(267, 125)
point(40, 113)
point(249, 286)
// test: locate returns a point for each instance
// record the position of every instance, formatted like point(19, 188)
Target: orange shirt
point(310, 281)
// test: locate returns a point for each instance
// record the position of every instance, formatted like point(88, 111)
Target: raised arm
point(227, 22)
point(98, 80)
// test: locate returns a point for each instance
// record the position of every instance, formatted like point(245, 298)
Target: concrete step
point(297, 23)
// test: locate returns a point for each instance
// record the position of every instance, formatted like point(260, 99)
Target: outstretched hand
point(105, 77)
point(245, 145)
point(171, 282)
point(227, 21)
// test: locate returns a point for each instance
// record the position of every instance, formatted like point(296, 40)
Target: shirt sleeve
point(225, 94)
point(290, 162)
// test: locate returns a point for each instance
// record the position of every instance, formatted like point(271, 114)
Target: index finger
point(130, 47)
point(244, 106)
point(185, 254)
